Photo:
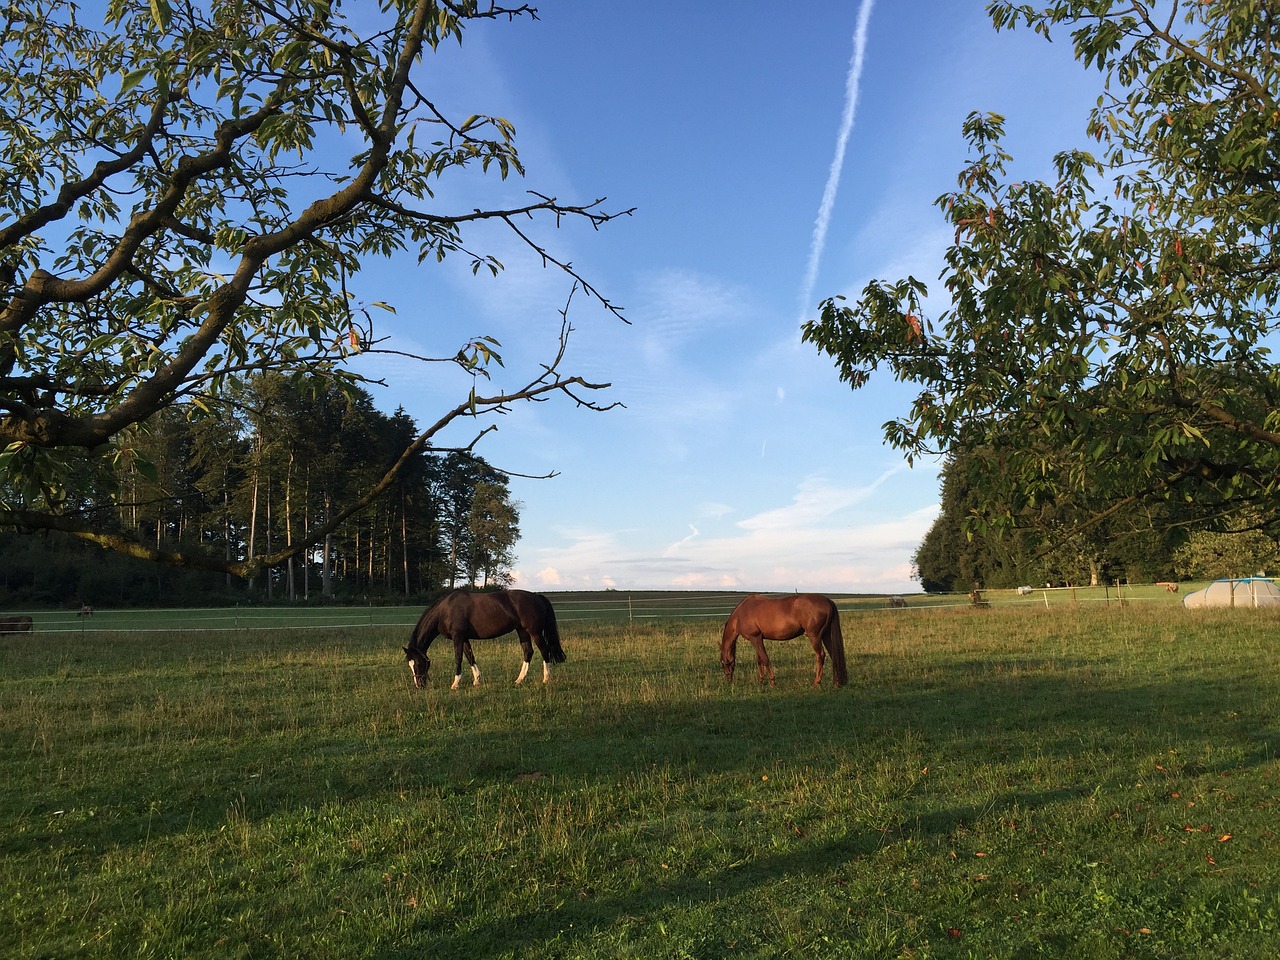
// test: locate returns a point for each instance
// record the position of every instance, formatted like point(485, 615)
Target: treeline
point(254, 474)
point(1049, 543)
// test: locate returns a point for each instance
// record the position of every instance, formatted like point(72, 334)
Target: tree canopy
point(253, 478)
point(1105, 336)
point(188, 192)
point(1140, 546)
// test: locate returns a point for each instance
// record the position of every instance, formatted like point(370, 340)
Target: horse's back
point(535, 611)
point(783, 618)
point(770, 617)
point(814, 607)
point(489, 614)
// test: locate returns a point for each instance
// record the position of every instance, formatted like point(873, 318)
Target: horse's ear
point(406, 651)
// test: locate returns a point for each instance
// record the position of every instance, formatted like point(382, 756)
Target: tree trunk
point(404, 541)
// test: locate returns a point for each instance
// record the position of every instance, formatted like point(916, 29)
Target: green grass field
point(1071, 780)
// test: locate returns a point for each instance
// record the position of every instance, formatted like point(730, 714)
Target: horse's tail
point(551, 633)
point(833, 640)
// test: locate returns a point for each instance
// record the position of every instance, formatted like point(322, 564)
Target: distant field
point(571, 607)
point(1091, 780)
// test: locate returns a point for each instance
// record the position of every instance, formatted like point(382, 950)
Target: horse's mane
point(427, 615)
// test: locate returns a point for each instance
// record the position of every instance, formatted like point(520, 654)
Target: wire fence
point(607, 607)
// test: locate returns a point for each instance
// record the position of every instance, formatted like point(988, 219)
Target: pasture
point(1083, 780)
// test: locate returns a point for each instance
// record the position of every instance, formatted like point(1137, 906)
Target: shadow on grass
point(997, 711)
point(1000, 710)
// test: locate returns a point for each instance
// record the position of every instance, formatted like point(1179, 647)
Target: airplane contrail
point(837, 162)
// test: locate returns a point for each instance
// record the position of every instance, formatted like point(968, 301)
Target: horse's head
point(419, 666)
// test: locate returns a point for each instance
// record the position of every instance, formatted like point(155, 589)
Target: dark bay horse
point(463, 616)
point(760, 618)
point(15, 625)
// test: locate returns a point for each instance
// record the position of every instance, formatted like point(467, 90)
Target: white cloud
point(828, 538)
point(815, 501)
point(679, 304)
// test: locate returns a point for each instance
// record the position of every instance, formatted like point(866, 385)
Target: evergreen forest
point(253, 474)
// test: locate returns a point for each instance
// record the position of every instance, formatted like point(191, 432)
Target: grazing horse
point(463, 616)
point(15, 625)
point(760, 618)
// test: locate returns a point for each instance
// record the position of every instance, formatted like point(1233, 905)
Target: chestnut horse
point(760, 618)
point(463, 616)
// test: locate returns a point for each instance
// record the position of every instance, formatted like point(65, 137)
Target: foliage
point(1006, 784)
point(1213, 555)
point(1048, 544)
point(188, 192)
point(494, 526)
point(951, 559)
point(247, 480)
point(1108, 333)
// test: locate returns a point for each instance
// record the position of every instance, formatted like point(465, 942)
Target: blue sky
point(739, 461)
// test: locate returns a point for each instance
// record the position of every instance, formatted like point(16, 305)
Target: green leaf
point(161, 13)
point(133, 78)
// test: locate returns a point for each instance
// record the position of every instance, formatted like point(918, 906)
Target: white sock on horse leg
point(457, 679)
point(524, 671)
point(546, 671)
point(475, 675)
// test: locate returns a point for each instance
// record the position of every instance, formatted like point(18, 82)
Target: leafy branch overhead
point(188, 190)
point(1106, 335)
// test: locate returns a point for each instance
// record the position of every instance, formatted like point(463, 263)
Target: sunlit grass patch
point(1001, 783)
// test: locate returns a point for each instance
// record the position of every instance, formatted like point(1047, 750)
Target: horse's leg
point(821, 656)
point(458, 643)
point(457, 662)
point(728, 655)
point(526, 650)
point(763, 665)
point(543, 649)
point(471, 661)
point(463, 646)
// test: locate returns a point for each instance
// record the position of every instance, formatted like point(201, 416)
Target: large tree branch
point(83, 528)
point(73, 191)
point(57, 428)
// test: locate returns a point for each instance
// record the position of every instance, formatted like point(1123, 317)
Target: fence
point(579, 607)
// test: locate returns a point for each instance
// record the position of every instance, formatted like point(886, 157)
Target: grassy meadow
point(1082, 780)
